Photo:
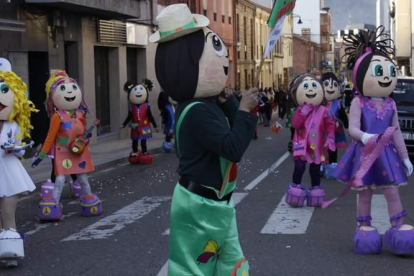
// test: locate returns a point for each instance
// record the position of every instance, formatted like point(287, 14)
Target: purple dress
point(388, 169)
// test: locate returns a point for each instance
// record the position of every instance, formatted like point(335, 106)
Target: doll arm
point(230, 108)
point(51, 135)
point(398, 139)
point(128, 119)
point(19, 153)
point(150, 117)
point(213, 133)
point(355, 120)
point(299, 117)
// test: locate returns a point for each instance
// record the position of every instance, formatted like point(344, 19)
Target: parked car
point(404, 98)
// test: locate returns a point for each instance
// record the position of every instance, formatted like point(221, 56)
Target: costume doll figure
point(314, 134)
point(333, 97)
point(167, 107)
point(212, 133)
point(15, 110)
point(377, 156)
point(140, 116)
point(67, 109)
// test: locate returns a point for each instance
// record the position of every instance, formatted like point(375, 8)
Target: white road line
point(237, 198)
point(40, 226)
point(107, 170)
point(379, 213)
point(164, 270)
point(266, 173)
point(288, 220)
point(111, 224)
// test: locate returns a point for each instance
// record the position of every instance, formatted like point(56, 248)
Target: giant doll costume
point(140, 119)
point(314, 134)
point(67, 109)
point(15, 110)
point(377, 156)
point(211, 136)
point(333, 97)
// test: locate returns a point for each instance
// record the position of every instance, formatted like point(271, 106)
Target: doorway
point(38, 76)
point(103, 107)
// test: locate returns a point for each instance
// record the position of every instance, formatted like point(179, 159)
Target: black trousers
point(314, 171)
point(143, 145)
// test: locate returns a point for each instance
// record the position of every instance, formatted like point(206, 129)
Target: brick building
point(245, 37)
point(307, 54)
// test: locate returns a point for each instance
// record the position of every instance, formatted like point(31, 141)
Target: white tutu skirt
point(14, 179)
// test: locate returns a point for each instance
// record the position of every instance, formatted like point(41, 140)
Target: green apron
point(204, 239)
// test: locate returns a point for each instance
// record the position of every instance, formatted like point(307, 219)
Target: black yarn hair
point(128, 86)
point(356, 45)
point(329, 76)
point(162, 100)
point(177, 65)
point(148, 84)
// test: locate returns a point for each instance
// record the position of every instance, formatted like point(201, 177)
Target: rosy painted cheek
point(369, 84)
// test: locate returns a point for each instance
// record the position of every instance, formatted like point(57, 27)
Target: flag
point(274, 36)
point(280, 9)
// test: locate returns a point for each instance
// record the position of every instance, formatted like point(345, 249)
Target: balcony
point(104, 8)
point(326, 47)
point(325, 28)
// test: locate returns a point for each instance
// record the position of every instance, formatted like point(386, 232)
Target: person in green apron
point(212, 133)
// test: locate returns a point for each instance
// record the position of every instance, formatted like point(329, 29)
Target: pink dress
point(318, 128)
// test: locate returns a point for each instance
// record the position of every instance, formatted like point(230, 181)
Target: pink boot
point(316, 196)
point(296, 195)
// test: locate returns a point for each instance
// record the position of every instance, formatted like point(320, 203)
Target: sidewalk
point(102, 155)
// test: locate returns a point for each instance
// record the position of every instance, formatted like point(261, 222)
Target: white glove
point(408, 166)
point(365, 137)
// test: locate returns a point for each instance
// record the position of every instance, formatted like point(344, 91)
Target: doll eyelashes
point(62, 87)
point(4, 88)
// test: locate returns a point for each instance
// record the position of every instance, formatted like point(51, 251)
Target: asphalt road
point(129, 238)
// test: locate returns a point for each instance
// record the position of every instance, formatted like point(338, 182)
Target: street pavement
point(131, 237)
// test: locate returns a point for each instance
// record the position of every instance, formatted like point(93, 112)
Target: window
point(238, 27)
point(223, 18)
point(252, 38)
point(205, 13)
point(245, 78)
point(215, 16)
point(229, 20)
point(253, 84)
point(229, 10)
point(245, 36)
point(223, 11)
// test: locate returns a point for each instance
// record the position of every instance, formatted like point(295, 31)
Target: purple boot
point(47, 189)
point(91, 205)
point(401, 242)
point(367, 242)
point(295, 195)
point(316, 196)
point(76, 188)
point(167, 146)
point(49, 209)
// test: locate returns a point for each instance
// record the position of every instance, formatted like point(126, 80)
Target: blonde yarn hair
point(23, 107)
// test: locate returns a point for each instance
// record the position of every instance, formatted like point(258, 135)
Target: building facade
point(287, 41)
point(95, 42)
point(307, 55)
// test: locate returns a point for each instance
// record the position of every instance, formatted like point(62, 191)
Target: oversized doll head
point(14, 104)
point(64, 93)
point(332, 86)
point(138, 93)
point(305, 89)
point(191, 60)
point(368, 55)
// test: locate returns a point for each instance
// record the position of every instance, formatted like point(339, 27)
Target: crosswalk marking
point(40, 226)
point(266, 173)
point(379, 213)
point(288, 220)
point(111, 224)
point(237, 198)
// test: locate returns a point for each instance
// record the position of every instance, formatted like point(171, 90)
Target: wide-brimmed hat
point(176, 21)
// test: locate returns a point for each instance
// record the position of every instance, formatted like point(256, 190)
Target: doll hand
point(306, 109)
point(365, 137)
point(408, 166)
point(36, 162)
point(88, 135)
point(330, 144)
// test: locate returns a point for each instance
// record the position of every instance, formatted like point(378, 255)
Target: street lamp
point(298, 16)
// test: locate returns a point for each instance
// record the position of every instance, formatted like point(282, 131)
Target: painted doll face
point(381, 77)
point(6, 101)
point(309, 91)
point(67, 96)
point(138, 94)
point(214, 66)
point(332, 89)
point(171, 101)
